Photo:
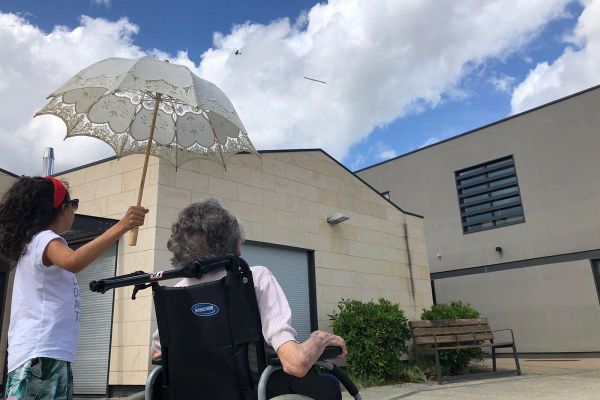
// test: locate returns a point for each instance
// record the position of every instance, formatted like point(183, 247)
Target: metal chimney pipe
point(48, 161)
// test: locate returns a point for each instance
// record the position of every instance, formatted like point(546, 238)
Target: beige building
point(283, 200)
point(512, 221)
point(6, 179)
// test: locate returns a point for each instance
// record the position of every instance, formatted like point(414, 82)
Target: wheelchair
point(211, 340)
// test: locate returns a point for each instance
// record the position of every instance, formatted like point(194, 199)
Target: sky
point(400, 74)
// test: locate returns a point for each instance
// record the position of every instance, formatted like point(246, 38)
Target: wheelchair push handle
point(192, 270)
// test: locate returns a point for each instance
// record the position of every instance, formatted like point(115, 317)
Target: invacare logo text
point(205, 309)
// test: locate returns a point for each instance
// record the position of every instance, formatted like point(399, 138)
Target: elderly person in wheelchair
point(206, 230)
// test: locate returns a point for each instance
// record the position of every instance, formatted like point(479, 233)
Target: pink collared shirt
point(275, 313)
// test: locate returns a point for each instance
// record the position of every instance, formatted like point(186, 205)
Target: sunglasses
point(74, 203)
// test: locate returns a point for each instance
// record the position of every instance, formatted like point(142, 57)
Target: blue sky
point(187, 25)
point(400, 74)
point(483, 102)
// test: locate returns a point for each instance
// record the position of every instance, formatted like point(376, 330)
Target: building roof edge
point(482, 127)
point(267, 152)
point(8, 173)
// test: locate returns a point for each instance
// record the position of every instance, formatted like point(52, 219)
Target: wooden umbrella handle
point(133, 234)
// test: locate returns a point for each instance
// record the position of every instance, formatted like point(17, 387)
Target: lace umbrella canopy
point(151, 107)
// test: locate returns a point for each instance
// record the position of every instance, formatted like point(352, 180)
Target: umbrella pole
point(134, 232)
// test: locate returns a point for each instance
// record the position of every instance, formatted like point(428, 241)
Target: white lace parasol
point(113, 100)
point(153, 107)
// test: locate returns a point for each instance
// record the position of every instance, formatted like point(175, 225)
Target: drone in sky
point(315, 80)
point(239, 53)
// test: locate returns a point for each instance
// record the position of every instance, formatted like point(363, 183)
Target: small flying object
point(238, 53)
point(316, 80)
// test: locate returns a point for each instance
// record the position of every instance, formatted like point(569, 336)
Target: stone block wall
point(106, 190)
point(285, 198)
point(282, 198)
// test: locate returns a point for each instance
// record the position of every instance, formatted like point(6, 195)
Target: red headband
point(59, 191)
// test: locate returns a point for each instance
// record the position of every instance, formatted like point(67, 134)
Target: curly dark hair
point(204, 230)
point(26, 209)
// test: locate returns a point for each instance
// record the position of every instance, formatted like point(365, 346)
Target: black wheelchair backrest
point(206, 332)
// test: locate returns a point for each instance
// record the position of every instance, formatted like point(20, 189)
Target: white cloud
point(381, 60)
point(576, 69)
point(502, 83)
point(430, 141)
point(33, 64)
point(358, 162)
point(379, 151)
point(387, 154)
point(384, 152)
point(105, 3)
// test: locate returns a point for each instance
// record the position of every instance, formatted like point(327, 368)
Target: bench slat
point(448, 322)
point(453, 338)
point(451, 330)
point(475, 346)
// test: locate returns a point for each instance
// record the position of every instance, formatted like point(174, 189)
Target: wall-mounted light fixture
point(336, 218)
point(499, 250)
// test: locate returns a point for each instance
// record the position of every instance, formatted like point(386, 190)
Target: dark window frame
point(596, 275)
point(478, 176)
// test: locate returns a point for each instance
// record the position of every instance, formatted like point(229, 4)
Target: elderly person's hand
point(297, 358)
point(156, 354)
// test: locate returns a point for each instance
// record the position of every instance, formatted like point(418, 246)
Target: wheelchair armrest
point(332, 368)
point(274, 361)
point(329, 352)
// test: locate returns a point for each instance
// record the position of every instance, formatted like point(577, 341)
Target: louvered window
point(489, 196)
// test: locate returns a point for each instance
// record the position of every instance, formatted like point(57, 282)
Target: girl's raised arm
point(57, 253)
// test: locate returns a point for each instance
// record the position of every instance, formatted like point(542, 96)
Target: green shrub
point(454, 362)
point(411, 373)
point(376, 335)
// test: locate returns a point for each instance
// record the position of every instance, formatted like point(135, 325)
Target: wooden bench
point(431, 337)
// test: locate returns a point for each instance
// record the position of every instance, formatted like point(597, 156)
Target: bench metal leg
point(438, 366)
point(494, 359)
point(516, 355)
point(417, 356)
point(418, 362)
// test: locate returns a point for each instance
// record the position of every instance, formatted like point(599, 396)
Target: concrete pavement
point(542, 379)
point(549, 379)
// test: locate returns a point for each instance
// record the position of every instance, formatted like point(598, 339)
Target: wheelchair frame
point(141, 280)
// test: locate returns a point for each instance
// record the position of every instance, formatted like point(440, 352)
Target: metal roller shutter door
point(290, 268)
point(90, 368)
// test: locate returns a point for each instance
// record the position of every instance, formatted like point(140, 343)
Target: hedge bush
point(454, 362)
point(376, 336)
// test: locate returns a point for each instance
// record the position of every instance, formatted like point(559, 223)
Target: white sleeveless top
point(44, 314)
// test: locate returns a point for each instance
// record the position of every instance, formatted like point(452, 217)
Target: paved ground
point(541, 379)
point(549, 379)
